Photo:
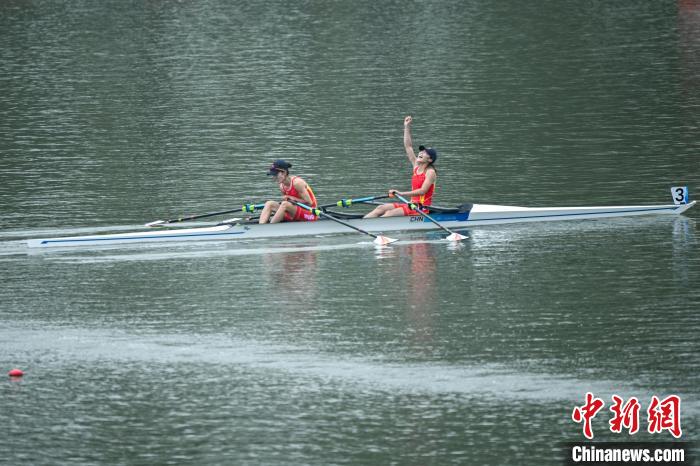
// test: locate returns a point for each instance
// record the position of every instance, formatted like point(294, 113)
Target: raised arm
point(407, 140)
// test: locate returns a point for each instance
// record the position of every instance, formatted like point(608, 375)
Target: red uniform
point(425, 200)
point(301, 214)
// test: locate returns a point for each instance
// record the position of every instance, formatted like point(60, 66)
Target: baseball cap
point(431, 152)
point(278, 166)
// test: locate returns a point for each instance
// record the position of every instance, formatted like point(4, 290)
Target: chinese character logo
point(661, 415)
point(665, 415)
point(626, 416)
point(586, 413)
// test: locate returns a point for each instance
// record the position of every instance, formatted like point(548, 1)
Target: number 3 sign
point(680, 194)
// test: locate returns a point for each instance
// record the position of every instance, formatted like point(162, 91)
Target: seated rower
point(293, 188)
point(422, 182)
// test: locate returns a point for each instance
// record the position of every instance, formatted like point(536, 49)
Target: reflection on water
point(421, 280)
point(527, 316)
point(683, 244)
point(292, 278)
point(79, 346)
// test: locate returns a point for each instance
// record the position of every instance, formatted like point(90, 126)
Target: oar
point(378, 239)
point(453, 236)
point(349, 202)
point(246, 208)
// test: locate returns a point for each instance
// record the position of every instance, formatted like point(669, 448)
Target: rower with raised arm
point(422, 181)
point(293, 188)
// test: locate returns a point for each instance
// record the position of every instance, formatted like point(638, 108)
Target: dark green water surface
point(326, 350)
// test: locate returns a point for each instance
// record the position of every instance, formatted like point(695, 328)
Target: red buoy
point(15, 373)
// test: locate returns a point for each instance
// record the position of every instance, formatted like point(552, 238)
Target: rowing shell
point(458, 218)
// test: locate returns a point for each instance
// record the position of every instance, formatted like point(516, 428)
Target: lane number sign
point(680, 194)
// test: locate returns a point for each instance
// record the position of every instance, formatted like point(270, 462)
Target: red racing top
point(292, 191)
point(416, 183)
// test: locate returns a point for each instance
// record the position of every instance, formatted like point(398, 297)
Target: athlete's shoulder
point(300, 184)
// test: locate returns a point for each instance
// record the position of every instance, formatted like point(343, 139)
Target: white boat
point(458, 218)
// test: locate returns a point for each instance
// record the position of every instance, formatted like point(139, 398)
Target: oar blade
point(456, 237)
point(384, 240)
point(156, 223)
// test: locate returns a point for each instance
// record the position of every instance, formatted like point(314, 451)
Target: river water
point(327, 350)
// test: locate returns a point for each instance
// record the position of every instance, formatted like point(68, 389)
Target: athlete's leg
point(287, 207)
point(380, 210)
point(270, 206)
point(395, 212)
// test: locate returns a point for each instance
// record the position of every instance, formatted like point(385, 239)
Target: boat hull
point(478, 215)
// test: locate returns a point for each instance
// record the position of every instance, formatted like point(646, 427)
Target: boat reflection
point(293, 276)
point(422, 295)
point(418, 268)
point(683, 241)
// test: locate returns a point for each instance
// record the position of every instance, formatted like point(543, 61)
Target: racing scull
point(458, 218)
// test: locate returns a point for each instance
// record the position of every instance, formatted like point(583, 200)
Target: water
point(328, 350)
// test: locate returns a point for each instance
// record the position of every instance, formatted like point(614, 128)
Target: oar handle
point(251, 207)
point(349, 202)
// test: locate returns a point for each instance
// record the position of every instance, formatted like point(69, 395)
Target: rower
point(422, 181)
point(293, 188)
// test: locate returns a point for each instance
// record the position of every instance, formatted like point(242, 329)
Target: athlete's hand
point(407, 121)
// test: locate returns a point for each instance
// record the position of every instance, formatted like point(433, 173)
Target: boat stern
point(683, 207)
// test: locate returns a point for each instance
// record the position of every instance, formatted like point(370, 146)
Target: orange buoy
point(15, 373)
